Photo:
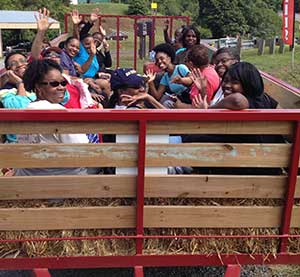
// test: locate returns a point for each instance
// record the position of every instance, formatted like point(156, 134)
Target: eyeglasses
point(55, 83)
point(19, 62)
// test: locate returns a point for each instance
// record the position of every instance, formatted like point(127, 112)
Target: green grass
point(278, 65)
point(105, 8)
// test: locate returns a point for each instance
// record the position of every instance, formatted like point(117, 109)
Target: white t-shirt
point(50, 138)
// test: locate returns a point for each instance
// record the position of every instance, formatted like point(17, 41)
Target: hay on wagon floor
point(151, 246)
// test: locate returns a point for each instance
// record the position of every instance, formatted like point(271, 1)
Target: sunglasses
point(55, 84)
point(52, 55)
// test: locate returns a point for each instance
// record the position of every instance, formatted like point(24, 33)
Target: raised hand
point(199, 81)
point(94, 15)
point(129, 100)
point(200, 102)
point(166, 25)
point(150, 75)
point(12, 77)
point(75, 17)
point(42, 19)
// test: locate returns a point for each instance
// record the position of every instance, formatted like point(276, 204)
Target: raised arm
point(84, 67)
point(76, 19)
point(88, 25)
point(43, 24)
point(166, 32)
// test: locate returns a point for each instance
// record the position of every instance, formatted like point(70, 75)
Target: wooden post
point(281, 46)
point(272, 43)
point(261, 46)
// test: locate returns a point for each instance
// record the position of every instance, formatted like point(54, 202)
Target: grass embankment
point(105, 8)
point(278, 65)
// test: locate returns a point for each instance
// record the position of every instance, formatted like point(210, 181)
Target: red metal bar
point(40, 272)
point(148, 115)
point(135, 43)
point(146, 261)
point(140, 187)
point(118, 41)
point(290, 193)
point(153, 237)
point(138, 271)
point(233, 271)
point(153, 32)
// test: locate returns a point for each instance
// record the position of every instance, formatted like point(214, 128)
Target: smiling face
point(98, 38)
point(87, 43)
point(222, 62)
point(230, 86)
point(18, 64)
point(190, 39)
point(52, 87)
point(162, 60)
point(72, 48)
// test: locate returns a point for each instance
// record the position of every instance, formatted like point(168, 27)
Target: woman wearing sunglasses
point(45, 78)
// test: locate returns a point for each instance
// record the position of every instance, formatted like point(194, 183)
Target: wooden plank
point(286, 98)
point(68, 127)
point(219, 155)
point(125, 155)
point(67, 218)
point(68, 155)
point(224, 127)
point(212, 217)
point(155, 217)
point(215, 186)
point(47, 187)
point(295, 221)
point(160, 186)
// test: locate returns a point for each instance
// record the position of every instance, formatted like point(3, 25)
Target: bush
point(137, 7)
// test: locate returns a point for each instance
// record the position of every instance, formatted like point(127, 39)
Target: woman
point(164, 58)
point(45, 78)
point(243, 88)
point(223, 59)
point(190, 37)
point(71, 49)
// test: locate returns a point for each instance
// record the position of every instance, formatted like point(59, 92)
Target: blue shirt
point(180, 70)
point(82, 57)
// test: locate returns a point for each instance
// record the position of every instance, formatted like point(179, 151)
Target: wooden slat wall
point(179, 127)
point(68, 127)
point(68, 155)
point(125, 155)
point(219, 155)
point(225, 127)
point(285, 97)
point(161, 186)
point(155, 217)
point(67, 218)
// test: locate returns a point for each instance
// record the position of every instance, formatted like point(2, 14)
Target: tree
point(137, 7)
point(222, 17)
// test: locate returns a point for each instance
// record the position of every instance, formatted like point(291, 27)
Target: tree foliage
point(229, 17)
point(137, 7)
point(57, 10)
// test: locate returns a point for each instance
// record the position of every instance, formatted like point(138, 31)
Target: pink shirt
point(213, 83)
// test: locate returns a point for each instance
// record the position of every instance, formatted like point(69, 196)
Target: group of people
point(78, 74)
